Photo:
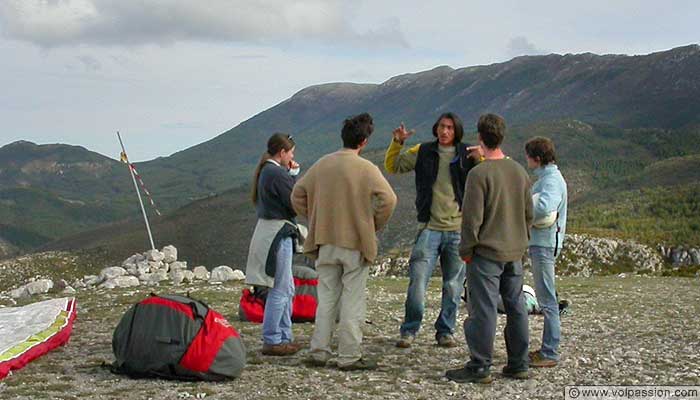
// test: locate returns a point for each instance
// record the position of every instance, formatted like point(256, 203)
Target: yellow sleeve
point(396, 162)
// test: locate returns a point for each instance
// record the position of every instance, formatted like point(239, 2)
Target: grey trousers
point(486, 279)
point(342, 280)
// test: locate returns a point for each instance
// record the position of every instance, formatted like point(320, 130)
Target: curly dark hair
point(356, 129)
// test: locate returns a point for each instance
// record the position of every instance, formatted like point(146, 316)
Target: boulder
point(133, 260)
point(78, 283)
point(120, 282)
point(178, 265)
point(111, 273)
point(19, 293)
point(201, 273)
point(238, 275)
point(188, 276)
point(177, 276)
point(40, 286)
point(154, 266)
point(222, 273)
point(695, 256)
point(169, 254)
point(154, 255)
point(91, 280)
point(157, 277)
point(68, 290)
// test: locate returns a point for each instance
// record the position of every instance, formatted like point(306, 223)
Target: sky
point(169, 74)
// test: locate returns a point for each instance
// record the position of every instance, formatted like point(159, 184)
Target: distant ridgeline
point(627, 131)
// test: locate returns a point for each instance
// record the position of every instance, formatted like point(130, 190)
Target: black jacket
point(426, 174)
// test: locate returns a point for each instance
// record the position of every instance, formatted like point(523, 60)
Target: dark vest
point(427, 171)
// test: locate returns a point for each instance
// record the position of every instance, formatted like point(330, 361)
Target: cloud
point(90, 63)
point(55, 23)
point(520, 46)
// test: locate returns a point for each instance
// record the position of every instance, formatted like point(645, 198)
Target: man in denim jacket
point(546, 240)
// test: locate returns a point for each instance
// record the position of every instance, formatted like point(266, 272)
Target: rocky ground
point(632, 330)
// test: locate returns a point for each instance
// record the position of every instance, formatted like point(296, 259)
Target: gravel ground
point(622, 331)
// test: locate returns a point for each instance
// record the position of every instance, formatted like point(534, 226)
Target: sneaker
point(405, 341)
point(469, 375)
point(282, 349)
point(537, 360)
point(447, 341)
point(361, 364)
point(515, 373)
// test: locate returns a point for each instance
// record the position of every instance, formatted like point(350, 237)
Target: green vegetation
point(669, 215)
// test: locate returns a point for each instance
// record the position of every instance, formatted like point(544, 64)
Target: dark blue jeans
point(429, 245)
point(487, 279)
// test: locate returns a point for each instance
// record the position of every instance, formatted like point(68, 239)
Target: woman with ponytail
point(271, 248)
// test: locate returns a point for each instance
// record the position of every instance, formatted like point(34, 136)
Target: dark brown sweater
point(497, 211)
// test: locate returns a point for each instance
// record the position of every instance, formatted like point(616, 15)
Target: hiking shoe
point(469, 375)
point(359, 365)
point(282, 349)
point(447, 341)
point(537, 360)
point(515, 373)
point(405, 341)
point(315, 362)
point(296, 345)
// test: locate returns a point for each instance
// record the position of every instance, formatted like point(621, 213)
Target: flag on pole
point(123, 158)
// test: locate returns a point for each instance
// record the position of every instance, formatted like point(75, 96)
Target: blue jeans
point(543, 270)
point(429, 245)
point(277, 320)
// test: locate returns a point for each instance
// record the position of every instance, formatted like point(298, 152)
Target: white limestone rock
point(177, 276)
point(68, 290)
point(224, 273)
point(19, 293)
point(91, 280)
point(111, 273)
point(188, 276)
point(154, 255)
point(120, 282)
point(39, 287)
point(201, 273)
point(169, 254)
point(238, 275)
point(133, 260)
point(178, 265)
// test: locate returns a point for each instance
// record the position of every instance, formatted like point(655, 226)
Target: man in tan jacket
point(346, 200)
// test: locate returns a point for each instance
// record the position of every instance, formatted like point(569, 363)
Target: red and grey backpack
point(252, 305)
point(176, 337)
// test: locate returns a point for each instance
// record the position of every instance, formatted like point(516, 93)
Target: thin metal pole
point(138, 193)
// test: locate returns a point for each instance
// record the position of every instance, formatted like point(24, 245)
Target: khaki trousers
point(342, 280)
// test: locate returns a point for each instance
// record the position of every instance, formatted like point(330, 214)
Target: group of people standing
point(476, 212)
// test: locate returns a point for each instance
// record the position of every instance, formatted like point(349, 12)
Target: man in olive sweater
point(497, 214)
point(441, 167)
point(346, 200)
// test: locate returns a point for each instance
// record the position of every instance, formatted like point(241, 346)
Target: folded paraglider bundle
point(177, 337)
point(252, 305)
point(31, 331)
